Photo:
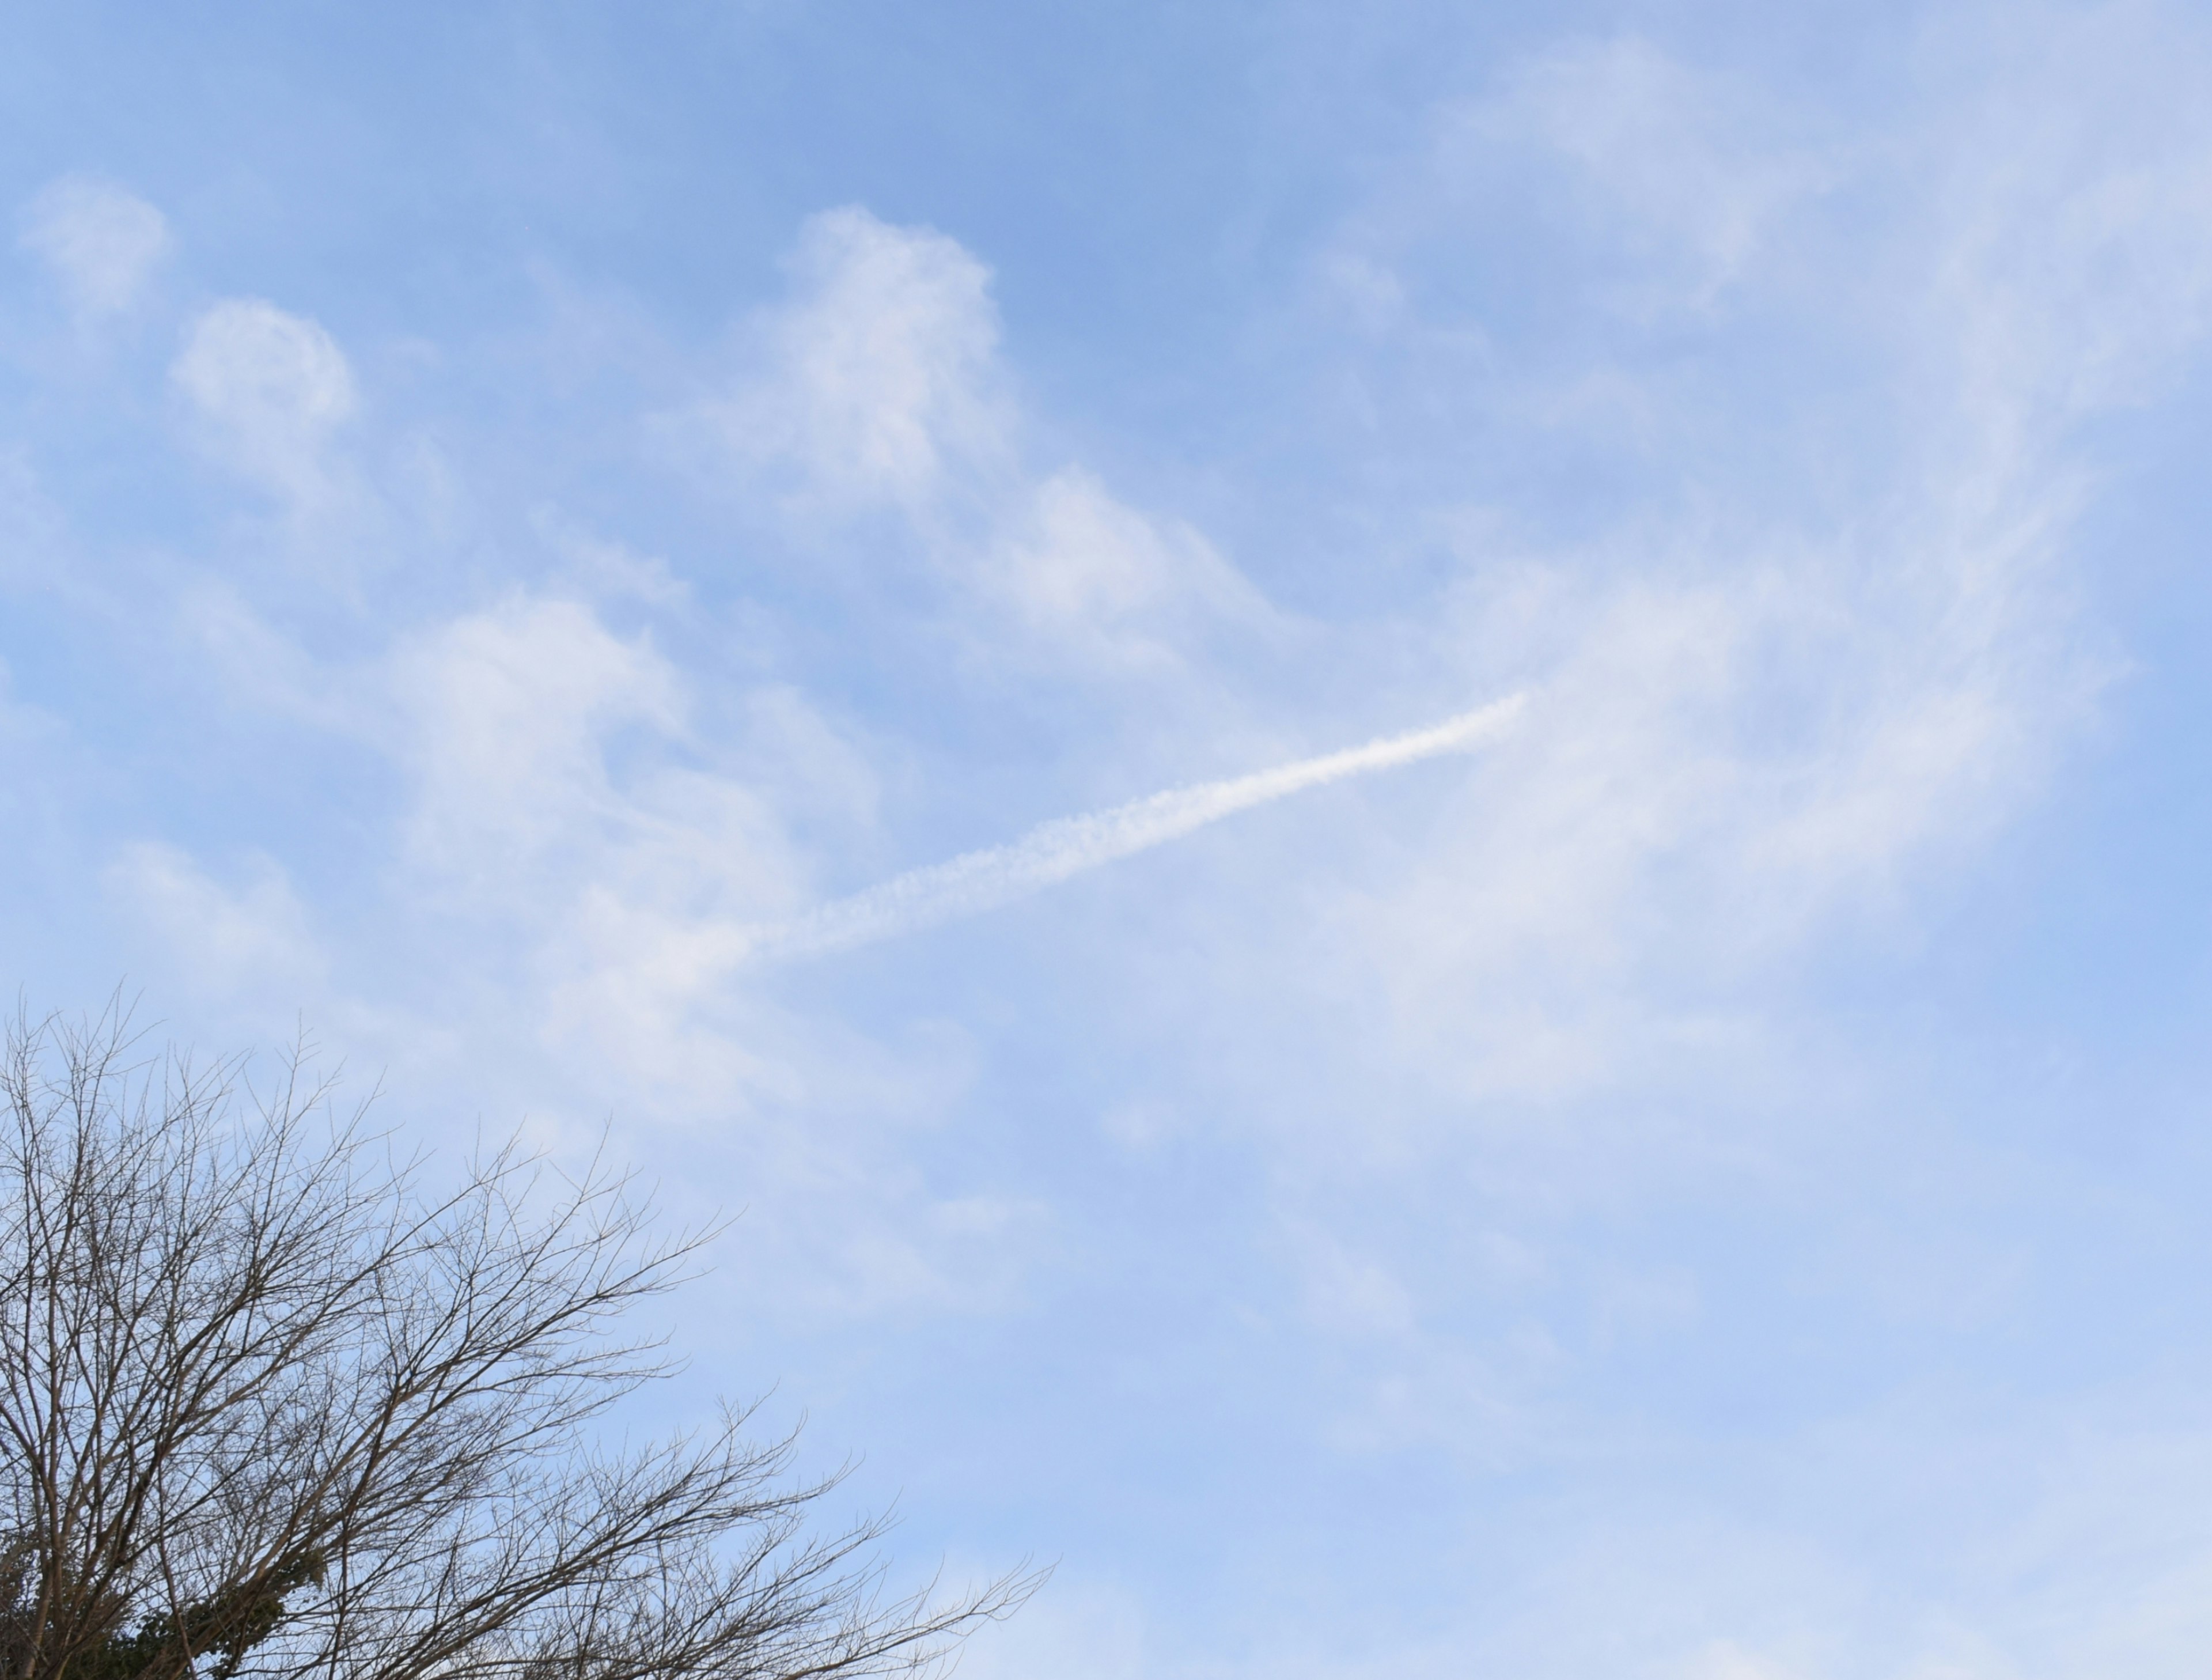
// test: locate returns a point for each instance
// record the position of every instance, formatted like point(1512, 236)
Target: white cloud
point(251, 943)
point(510, 710)
point(883, 382)
point(1076, 568)
point(269, 389)
point(573, 864)
point(558, 808)
point(552, 797)
point(1764, 727)
point(1652, 836)
point(101, 242)
point(1670, 157)
point(1762, 713)
point(879, 387)
point(2073, 273)
point(604, 569)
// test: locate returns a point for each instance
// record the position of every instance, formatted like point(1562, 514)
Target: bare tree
point(267, 1407)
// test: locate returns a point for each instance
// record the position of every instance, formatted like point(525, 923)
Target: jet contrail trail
point(1054, 851)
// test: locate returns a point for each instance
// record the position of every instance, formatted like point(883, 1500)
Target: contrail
point(1054, 851)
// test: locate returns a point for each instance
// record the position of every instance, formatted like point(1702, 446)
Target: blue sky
point(529, 534)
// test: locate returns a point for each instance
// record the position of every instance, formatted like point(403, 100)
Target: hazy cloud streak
point(1055, 851)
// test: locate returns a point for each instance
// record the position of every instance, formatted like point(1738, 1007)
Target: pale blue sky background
point(498, 505)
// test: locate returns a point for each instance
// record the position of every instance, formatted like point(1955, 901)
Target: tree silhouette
point(268, 1407)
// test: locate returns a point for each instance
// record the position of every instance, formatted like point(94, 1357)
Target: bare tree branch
point(269, 1408)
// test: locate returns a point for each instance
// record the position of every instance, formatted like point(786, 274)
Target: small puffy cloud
point(269, 388)
point(883, 380)
point(101, 242)
point(510, 708)
point(1077, 562)
point(879, 386)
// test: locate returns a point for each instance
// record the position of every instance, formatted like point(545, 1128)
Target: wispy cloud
point(880, 386)
point(269, 388)
point(101, 243)
point(1055, 851)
